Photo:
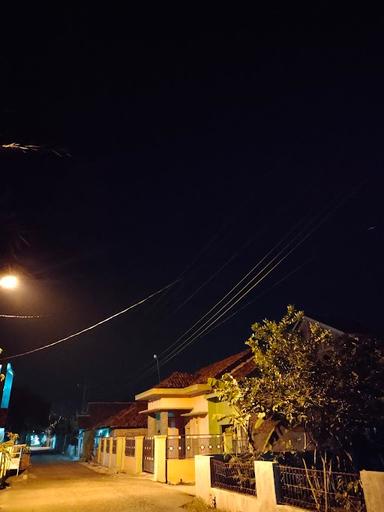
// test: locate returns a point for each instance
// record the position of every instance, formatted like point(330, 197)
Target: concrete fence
point(112, 453)
point(267, 490)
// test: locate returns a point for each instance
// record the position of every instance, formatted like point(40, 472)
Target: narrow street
point(56, 484)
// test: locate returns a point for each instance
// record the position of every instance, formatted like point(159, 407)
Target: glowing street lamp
point(9, 282)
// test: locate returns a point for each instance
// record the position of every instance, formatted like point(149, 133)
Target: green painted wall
point(216, 411)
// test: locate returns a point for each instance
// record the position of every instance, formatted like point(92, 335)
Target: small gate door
point(148, 454)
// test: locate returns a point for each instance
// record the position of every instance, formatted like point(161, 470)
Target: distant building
point(5, 394)
point(88, 423)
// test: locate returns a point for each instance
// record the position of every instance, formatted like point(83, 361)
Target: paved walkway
point(55, 484)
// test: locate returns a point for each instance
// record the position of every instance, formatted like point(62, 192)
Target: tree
point(330, 387)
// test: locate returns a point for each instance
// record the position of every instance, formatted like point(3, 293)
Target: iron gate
point(148, 454)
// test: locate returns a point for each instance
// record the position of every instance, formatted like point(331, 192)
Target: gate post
point(266, 476)
point(120, 452)
point(160, 462)
point(139, 442)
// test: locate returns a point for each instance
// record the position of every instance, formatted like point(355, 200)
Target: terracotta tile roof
point(245, 369)
point(218, 368)
point(127, 418)
point(98, 411)
point(241, 364)
point(176, 380)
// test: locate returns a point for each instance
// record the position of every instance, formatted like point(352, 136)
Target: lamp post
point(157, 364)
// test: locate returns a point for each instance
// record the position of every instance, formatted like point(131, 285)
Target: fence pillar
point(139, 443)
point(373, 488)
point(160, 458)
point(105, 452)
point(120, 452)
point(203, 477)
point(265, 476)
point(98, 452)
point(110, 446)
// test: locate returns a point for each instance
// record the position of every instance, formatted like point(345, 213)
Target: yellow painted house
point(183, 404)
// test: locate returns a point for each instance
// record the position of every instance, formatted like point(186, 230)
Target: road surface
point(58, 485)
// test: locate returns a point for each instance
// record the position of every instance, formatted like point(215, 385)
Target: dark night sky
point(191, 142)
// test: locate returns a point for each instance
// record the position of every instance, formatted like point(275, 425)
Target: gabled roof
point(230, 364)
point(129, 417)
point(177, 380)
point(98, 411)
point(238, 365)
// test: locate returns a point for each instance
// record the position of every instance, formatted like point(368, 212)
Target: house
point(183, 404)
point(87, 423)
point(128, 422)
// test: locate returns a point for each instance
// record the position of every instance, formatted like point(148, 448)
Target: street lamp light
point(9, 282)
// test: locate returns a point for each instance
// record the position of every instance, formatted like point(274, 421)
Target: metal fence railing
point(149, 454)
point(240, 445)
point(130, 446)
point(315, 489)
point(237, 476)
point(186, 447)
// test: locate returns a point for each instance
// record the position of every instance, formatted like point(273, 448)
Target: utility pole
point(157, 364)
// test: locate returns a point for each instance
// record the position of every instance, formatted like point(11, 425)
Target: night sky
point(183, 146)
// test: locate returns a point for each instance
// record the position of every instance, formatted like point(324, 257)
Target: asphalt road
point(58, 485)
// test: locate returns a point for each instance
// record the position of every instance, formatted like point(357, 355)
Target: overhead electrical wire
point(315, 222)
point(21, 316)
point(149, 370)
point(241, 308)
point(169, 353)
point(246, 289)
point(89, 328)
point(270, 252)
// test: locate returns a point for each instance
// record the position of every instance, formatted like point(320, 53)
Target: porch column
point(160, 458)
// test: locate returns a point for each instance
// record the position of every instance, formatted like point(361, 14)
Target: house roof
point(215, 370)
point(129, 417)
point(239, 365)
point(231, 364)
point(180, 383)
point(98, 411)
point(177, 380)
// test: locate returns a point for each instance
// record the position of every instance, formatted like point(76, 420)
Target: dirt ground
point(56, 484)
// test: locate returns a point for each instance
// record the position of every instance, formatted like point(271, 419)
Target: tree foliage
point(331, 387)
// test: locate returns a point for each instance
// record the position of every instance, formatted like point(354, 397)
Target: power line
point(171, 352)
point(91, 327)
point(212, 321)
point(284, 278)
point(145, 373)
point(21, 316)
